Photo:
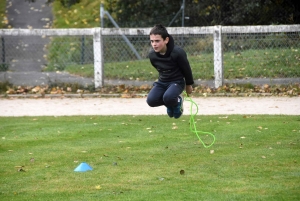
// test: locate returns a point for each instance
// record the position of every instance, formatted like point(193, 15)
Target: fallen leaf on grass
point(20, 168)
point(98, 187)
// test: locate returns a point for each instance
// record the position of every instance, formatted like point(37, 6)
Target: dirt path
point(138, 106)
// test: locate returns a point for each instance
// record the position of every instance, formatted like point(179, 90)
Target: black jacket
point(173, 65)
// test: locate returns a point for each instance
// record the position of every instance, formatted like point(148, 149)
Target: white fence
point(98, 33)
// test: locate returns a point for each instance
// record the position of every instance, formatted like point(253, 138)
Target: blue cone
point(83, 167)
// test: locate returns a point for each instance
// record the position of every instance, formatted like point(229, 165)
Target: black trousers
point(165, 93)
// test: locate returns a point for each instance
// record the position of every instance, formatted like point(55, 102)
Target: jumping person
point(174, 70)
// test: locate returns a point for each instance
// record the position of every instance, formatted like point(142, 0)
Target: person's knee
point(151, 102)
point(170, 100)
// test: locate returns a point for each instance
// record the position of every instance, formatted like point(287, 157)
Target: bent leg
point(155, 96)
point(171, 95)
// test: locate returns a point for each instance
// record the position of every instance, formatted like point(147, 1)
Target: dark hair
point(159, 30)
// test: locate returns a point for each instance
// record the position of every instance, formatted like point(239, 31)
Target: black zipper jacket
point(173, 65)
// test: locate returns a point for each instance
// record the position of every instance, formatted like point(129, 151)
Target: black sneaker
point(178, 110)
point(170, 111)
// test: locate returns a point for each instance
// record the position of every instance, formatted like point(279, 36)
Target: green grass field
point(141, 157)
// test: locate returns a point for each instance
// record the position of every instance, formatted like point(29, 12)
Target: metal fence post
point(98, 58)
point(82, 50)
point(218, 56)
point(3, 50)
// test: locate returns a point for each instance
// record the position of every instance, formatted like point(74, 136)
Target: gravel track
point(138, 106)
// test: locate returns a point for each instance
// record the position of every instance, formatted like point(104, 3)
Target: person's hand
point(189, 89)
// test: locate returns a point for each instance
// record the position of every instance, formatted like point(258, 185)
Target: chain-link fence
point(261, 55)
point(65, 52)
point(23, 53)
point(36, 53)
point(246, 54)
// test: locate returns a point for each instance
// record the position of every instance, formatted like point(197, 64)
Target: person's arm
point(186, 70)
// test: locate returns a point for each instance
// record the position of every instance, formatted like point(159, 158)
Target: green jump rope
point(193, 127)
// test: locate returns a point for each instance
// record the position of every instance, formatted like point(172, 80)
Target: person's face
point(158, 43)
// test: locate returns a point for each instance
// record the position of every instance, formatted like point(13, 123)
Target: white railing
point(97, 34)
